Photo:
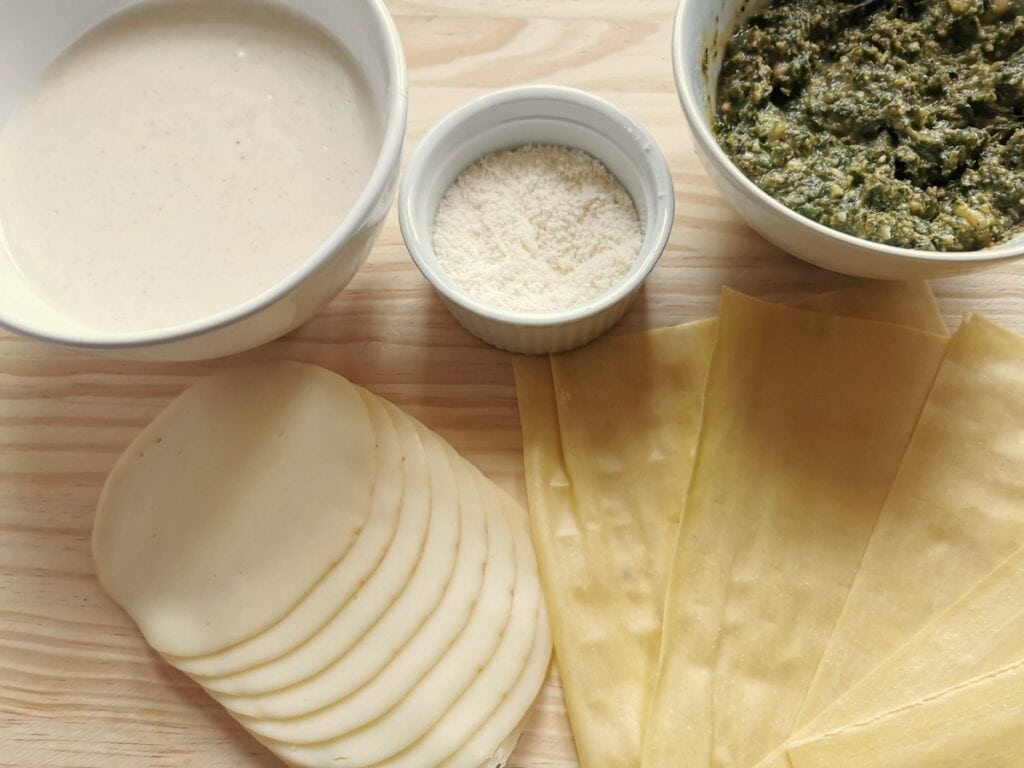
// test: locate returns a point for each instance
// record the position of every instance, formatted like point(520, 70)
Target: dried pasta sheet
point(978, 635)
point(955, 510)
point(608, 459)
point(806, 417)
point(903, 303)
point(974, 725)
point(607, 464)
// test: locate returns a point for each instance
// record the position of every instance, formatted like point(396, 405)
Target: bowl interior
point(537, 116)
point(33, 35)
point(704, 30)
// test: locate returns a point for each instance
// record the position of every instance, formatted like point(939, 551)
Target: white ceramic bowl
point(537, 115)
point(701, 32)
point(33, 34)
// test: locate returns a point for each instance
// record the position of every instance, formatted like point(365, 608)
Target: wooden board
point(78, 687)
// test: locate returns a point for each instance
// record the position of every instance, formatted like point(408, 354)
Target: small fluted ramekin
point(537, 115)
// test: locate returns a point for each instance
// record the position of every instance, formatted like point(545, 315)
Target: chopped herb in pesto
point(900, 121)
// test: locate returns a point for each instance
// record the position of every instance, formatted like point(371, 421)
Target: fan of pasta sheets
point(333, 573)
point(789, 537)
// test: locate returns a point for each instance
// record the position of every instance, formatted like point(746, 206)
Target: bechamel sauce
point(181, 158)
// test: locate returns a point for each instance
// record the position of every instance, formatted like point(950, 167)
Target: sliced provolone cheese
point(368, 685)
point(426, 629)
point(494, 682)
point(433, 695)
point(806, 417)
point(430, 500)
point(506, 723)
point(330, 594)
point(286, 456)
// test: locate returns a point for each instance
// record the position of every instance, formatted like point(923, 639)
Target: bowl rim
point(438, 136)
point(388, 156)
point(701, 131)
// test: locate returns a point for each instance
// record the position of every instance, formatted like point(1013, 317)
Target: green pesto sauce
point(900, 121)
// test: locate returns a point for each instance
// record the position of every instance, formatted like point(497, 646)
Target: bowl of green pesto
point(881, 138)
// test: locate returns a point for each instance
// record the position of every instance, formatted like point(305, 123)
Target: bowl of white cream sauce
point(185, 179)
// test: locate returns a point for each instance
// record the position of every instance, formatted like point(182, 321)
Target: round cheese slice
point(506, 723)
point(328, 596)
point(399, 650)
point(499, 677)
point(308, 742)
point(234, 503)
point(428, 530)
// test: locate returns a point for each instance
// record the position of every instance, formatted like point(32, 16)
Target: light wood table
point(78, 687)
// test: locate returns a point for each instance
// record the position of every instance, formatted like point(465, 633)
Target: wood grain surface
point(78, 687)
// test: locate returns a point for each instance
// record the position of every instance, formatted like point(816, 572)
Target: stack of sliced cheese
point(348, 587)
point(786, 558)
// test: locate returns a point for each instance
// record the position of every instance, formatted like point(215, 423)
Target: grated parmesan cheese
point(536, 229)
